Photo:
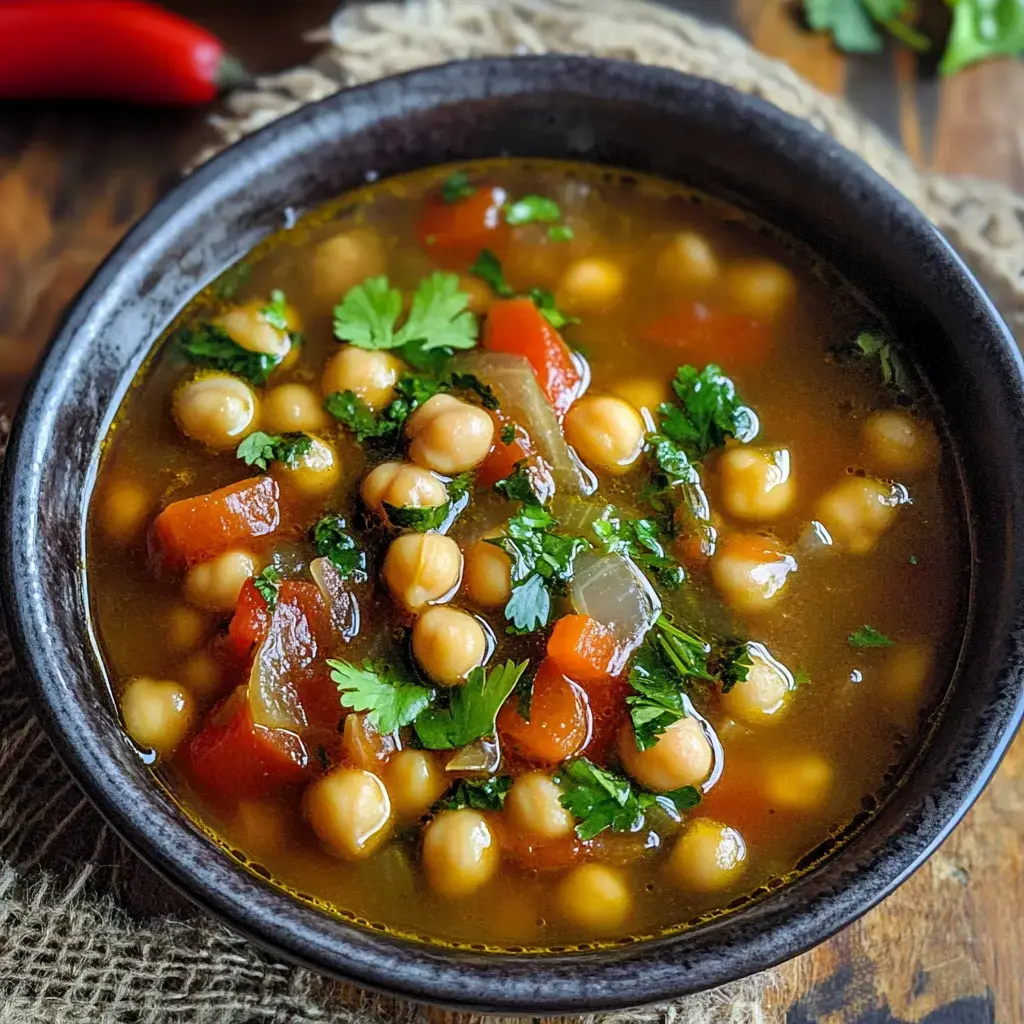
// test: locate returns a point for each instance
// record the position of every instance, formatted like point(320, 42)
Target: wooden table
point(948, 947)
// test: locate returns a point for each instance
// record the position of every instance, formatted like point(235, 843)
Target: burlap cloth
point(88, 933)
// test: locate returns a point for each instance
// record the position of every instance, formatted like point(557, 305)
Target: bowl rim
point(651, 971)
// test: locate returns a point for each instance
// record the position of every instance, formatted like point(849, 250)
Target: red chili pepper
point(109, 49)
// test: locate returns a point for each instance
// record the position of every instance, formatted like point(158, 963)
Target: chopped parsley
point(276, 312)
point(459, 486)
point(600, 799)
point(268, 583)
point(508, 434)
point(413, 517)
point(212, 348)
point(801, 677)
point(637, 538)
point(456, 187)
point(488, 268)
point(260, 449)
point(912, 559)
point(456, 381)
point(868, 636)
point(352, 412)
point(331, 540)
point(532, 209)
point(389, 702)
point(894, 368)
point(545, 302)
point(480, 794)
point(472, 708)
point(708, 412)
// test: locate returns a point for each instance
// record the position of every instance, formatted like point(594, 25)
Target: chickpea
point(312, 475)
point(750, 571)
point(756, 483)
point(415, 782)
point(595, 896)
point(422, 569)
point(488, 576)
point(157, 713)
point(857, 511)
point(762, 695)
point(607, 433)
point(448, 435)
point(247, 326)
point(643, 393)
point(217, 410)
point(798, 782)
point(345, 260)
point(124, 510)
point(480, 295)
point(371, 375)
point(681, 756)
point(460, 852)
point(762, 288)
point(290, 408)
point(688, 261)
point(897, 443)
point(402, 485)
point(186, 627)
point(350, 811)
point(534, 807)
point(708, 856)
point(448, 644)
point(215, 585)
point(202, 674)
point(590, 285)
point(906, 669)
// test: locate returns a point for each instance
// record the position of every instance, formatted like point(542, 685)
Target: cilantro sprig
point(332, 540)
point(390, 702)
point(639, 539)
point(706, 413)
point(260, 449)
point(210, 347)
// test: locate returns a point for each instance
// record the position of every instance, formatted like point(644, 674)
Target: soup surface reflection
point(527, 555)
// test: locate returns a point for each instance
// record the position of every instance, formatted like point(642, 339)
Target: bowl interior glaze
point(624, 115)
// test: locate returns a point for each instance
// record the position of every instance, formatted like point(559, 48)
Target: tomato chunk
point(582, 648)
point(502, 458)
point(534, 853)
point(560, 720)
point(196, 529)
point(232, 758)
point(249, 623)
point(456, 232)
point(607, 698)
point(706, 335)
point(518, 326)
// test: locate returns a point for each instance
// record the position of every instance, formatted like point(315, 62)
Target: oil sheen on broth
point(780, 510)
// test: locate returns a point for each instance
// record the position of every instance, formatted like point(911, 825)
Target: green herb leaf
point(524, 697)
point(480, 794)
point(658, 698)
point(260, 449)
point(508, 433)
point(532, 209)
point(912, 559)
point(212, 348)
point(545, 302)
point(561, 233)
point(411, 517)
point(227, 285)
point(390, 703)
point(895, 370)
point(849, 22)
point(367, 315)
point(268, 583)
point(868, 636)
point(276, 313)
point(983, 29)
point(331, 540)
point(487, 267)
point(709, 412)
point(801, 678)
point(459, 486)
point(351, 411)
point(472, 709)
point(471, 382)
point(734, 665)
point(637, 538)
point(439, 317)
point(456, 186)
point(518, 485)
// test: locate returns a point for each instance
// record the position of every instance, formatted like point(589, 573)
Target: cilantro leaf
point(227, 285)
point(471, 382)
point(518, 485)
point(212, 348)
point(331, 540)
point(390, 703)
point(260, 449)
point(268, 583)
point(637, 538)
point(657, 700)
point(418, 518)
point(895, 370)
point(983, 29)
point(487, 267)
point(439, 317)
point(456, 186)
point(351, 411)
point(276, 312)
point(709, 412)
point(459, 486)
point(545, 302)
point(529, 606)
point(561, 233)
point(735, 665)
point(472, 709)
point(367, 315)
point(532, 209)
point(868, 636)
point(480, 794)
point(508, 433)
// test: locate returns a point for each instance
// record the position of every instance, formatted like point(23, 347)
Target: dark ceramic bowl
point(612, 113)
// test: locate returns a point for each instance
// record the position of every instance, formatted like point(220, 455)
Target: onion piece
point(815, 540)
point(341, 602)
point(288, 651)
point(481, 756)
point(515, 386)
point(612, 590)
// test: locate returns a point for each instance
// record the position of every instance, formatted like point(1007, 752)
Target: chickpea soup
point(524, 555)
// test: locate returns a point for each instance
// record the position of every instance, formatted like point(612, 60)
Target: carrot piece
point(232, 758)
point(456, 232)
point(706, 335)
point(582, 648)
point(559, 722)
point(196, 529)
point(518, 326)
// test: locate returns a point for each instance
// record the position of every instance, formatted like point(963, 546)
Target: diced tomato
point(706, 335)
point(582, 648)
point(249, 624)
point(559, 722)
point(454, 233)
point(232, 758)
point(196, 529)
point(608, 709)
point(534, 853)
point(502, 459)
point(517, 326)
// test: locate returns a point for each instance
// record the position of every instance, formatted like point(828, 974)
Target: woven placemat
point(88, 934)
